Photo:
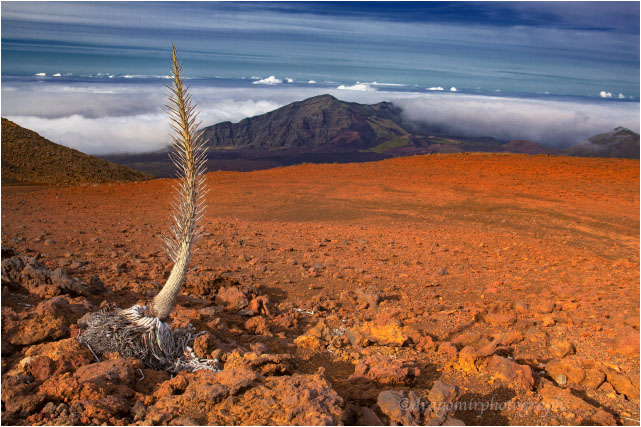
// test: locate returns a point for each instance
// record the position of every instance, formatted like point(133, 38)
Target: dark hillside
point(28, 158)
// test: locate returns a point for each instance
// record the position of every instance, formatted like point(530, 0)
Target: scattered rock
point(544, 307)
point(384, 331)
point(467, 359)
point(500, 319)
point(547, 321)
point(67, 354)
point(49, 409)
point(566, 368)
point(259, 305)
point(258, 325)
point(602, 418)
point(426, 344)
point(368, 417)
point(368, 298)
point(63, 280)
point(356, 338)
point(211, 387)
point(563, 401)
point(286, 400)
point(468, 338)
point(384, 370)
point(448, 349)
point(50, 321)
point(441, 397)
point(510, 371)
point(264, 364)
point(316, 337)
point(626, 342)
point(593, 379)
point(622, 384)
point(402, 408)
point(117, 371)
point(561, 348)
point(202, 345)
point(139, 411)
point(19, 397)
point(232, 298)
point(442, 393)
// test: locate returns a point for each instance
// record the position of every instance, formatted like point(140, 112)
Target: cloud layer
point(109, 118)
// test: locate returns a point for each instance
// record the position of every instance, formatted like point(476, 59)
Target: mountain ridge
point(619, 142)
point(323, 129)
point(314, 123)
point(29, 158)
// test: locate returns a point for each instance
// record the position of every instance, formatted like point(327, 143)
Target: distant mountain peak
point(619, 142)
point(320, 123)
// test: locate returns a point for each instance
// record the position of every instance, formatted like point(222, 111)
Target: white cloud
point(358, 86)
point(621, 96)
point(107, 118)
point(289, 80)
point(604, 94)
point(56, 75)
point(41, 74)
point(271, 80)
point(554, 123)
point(452, 89)
point(103, 135)
point(435, 88)
point(387, 84)
point(312, 82)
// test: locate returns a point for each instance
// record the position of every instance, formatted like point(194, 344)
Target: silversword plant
point(140, 331)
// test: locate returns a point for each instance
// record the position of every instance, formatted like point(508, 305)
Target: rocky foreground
point(445, 289)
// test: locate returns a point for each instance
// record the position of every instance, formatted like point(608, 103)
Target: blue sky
point(578, 48)
point(552, 72)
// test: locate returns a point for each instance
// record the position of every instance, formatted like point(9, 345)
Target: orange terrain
point(513, 279)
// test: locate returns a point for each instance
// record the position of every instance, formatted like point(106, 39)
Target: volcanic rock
point(467, 359)
point(264, 364)
point(448, 349)
point(368, 298)
point(18, 396)
point(510, 371)
point(593, 378)
point(232, 298)
point(441, 397)
point(316, 337)
point(562, 400)
point(400, 407)
point(51, 320)
point(570, 369)
point(116, 371)
point(561, 348)
point(368, 417)
point(500, 319)
point(285, 400)
point(545, 306)
point(384, 370)
point(622, 384)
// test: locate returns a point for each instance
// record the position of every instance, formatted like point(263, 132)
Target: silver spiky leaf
point(189, 156)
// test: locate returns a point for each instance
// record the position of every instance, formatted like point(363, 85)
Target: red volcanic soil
point(506, 286)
